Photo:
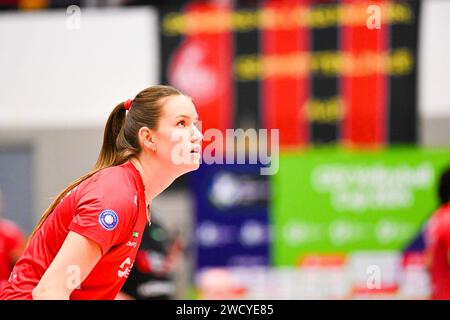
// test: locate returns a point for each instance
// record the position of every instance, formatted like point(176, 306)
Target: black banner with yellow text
point(328, 71)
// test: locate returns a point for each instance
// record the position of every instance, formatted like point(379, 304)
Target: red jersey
point(438, 249)
point(11, 239)
point(110, 209)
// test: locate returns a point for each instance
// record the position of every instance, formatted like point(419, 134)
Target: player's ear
point(146, 138)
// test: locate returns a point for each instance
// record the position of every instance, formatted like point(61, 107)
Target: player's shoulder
point(441, 218)
point(111, 178)
point(114, 172)
point(443, 212)
point(112, 185)
point(9, 227)
point(446, 209)
point(6, 223)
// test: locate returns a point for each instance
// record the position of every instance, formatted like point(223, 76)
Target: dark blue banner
point(231, 209)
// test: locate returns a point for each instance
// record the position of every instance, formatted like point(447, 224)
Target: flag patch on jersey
point(108, 219)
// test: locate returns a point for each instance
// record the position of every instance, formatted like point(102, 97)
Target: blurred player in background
point(437, 239)
point(83, 246)
point(153, 273)
point(12, 241)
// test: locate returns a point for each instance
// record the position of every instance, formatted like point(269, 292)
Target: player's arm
point(123, 296)
point(73, 263)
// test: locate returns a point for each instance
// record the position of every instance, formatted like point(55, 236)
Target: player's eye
point(181, 123)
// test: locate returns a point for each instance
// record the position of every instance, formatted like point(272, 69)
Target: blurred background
point(359, 91)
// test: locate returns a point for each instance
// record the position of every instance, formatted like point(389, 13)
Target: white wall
point(434, 60)
point(52, 76)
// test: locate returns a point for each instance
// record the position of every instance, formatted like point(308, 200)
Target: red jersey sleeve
point(105, 212)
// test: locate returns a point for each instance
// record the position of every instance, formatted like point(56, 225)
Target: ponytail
point(109, 156)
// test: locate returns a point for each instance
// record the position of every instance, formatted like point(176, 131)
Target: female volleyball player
point(85, 244)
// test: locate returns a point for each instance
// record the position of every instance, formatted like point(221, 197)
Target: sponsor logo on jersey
point(131, 244)
point(125, 268)
point(108, 219)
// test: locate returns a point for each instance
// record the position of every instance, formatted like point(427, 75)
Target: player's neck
point(155, 178)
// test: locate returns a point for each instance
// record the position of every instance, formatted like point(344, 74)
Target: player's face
point(178, 138)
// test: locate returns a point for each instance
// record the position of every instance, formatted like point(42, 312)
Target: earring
point(149, 144)
point(154, 149)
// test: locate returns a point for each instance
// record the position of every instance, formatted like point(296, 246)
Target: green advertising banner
point(336, 201)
